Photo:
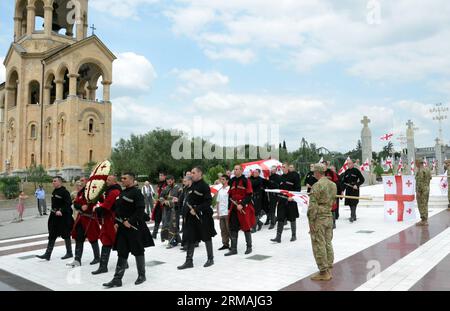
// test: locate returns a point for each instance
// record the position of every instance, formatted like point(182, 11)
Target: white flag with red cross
point(344, 167)
point(366, 166)
point(399, 196)
point(400, 167)
point(215, 189)
point(387, 137)
point(425, 162)
point(388, 163)
point(443, 184)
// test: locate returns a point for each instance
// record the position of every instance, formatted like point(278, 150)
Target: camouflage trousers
point(321, 243)
point(422, 203)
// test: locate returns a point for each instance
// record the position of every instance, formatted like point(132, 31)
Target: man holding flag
point(423, 178)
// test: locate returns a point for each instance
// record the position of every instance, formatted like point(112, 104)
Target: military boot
point(48, 252)
point(104, 259)
point(68, 254)
point(294, 231)
point(78, 254)
point(280, 227)
point(96, 251)
point(248, 240)
point(209, 251)
point(189, 257)
point(322, 276)
point(118, 275)
point(140, 265)
point(234, 239)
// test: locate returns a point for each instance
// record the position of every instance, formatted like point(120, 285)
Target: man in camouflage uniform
point(447, 168)
point(322, 196)
point(423, 178)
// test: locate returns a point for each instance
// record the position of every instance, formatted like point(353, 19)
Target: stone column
point(9, 97)
point(47, 94)
point(439, 156)
point(366, 144)
point(24, 27)
point(410, 145)
point(73, 84)
point(92, 91)
point(59, 89)
point(106, 90)
point(48, 20)
point(17, 28)
point(31, 16)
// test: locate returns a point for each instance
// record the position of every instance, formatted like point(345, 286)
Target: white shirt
point(222, 201)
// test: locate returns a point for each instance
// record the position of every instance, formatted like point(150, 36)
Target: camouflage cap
point(320, 168)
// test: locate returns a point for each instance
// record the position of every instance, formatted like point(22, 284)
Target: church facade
point(55, 103)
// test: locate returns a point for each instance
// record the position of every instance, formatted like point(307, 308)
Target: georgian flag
point(365, 167)
point(387, 137)
point(388, 163)
point(399, 197)
point(400, 167)
point(215, 189)
point(444, 184)
point(425, 162)
point(301, 198)
point(344, 167)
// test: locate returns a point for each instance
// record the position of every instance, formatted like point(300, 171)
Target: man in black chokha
point(133, 235)
point(60, 222)
point(199, 224)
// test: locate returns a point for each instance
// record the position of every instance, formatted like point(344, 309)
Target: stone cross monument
point(410, 144)
point(439, 157)
point(366, 144)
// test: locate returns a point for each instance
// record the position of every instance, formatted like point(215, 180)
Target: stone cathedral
point(55, 103)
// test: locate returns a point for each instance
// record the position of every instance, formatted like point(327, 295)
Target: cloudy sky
point(314, 68)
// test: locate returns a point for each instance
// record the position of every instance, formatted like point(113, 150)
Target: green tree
point(10, 186)
point(38, 175)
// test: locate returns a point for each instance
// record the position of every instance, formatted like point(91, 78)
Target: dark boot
point(189, 256)
point(209, 251)
point(248, 240)
point(294, 230)
point(279, 232)
point(260, 224)
point(155, 230)
point(78, 254)
point(234, 238)
point(96, 251)
point(104, 259)
point(140, 264)
point(68, 249)
point(120, 271)
point(48, 252)
point(352, 213)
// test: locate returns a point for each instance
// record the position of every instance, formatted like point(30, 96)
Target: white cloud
point(133, 71)
point(243, 56)
point(120, 8)
point(407, 43)
point(2, 70)
point(195, 80)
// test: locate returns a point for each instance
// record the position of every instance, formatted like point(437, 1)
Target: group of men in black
point(120, 222)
